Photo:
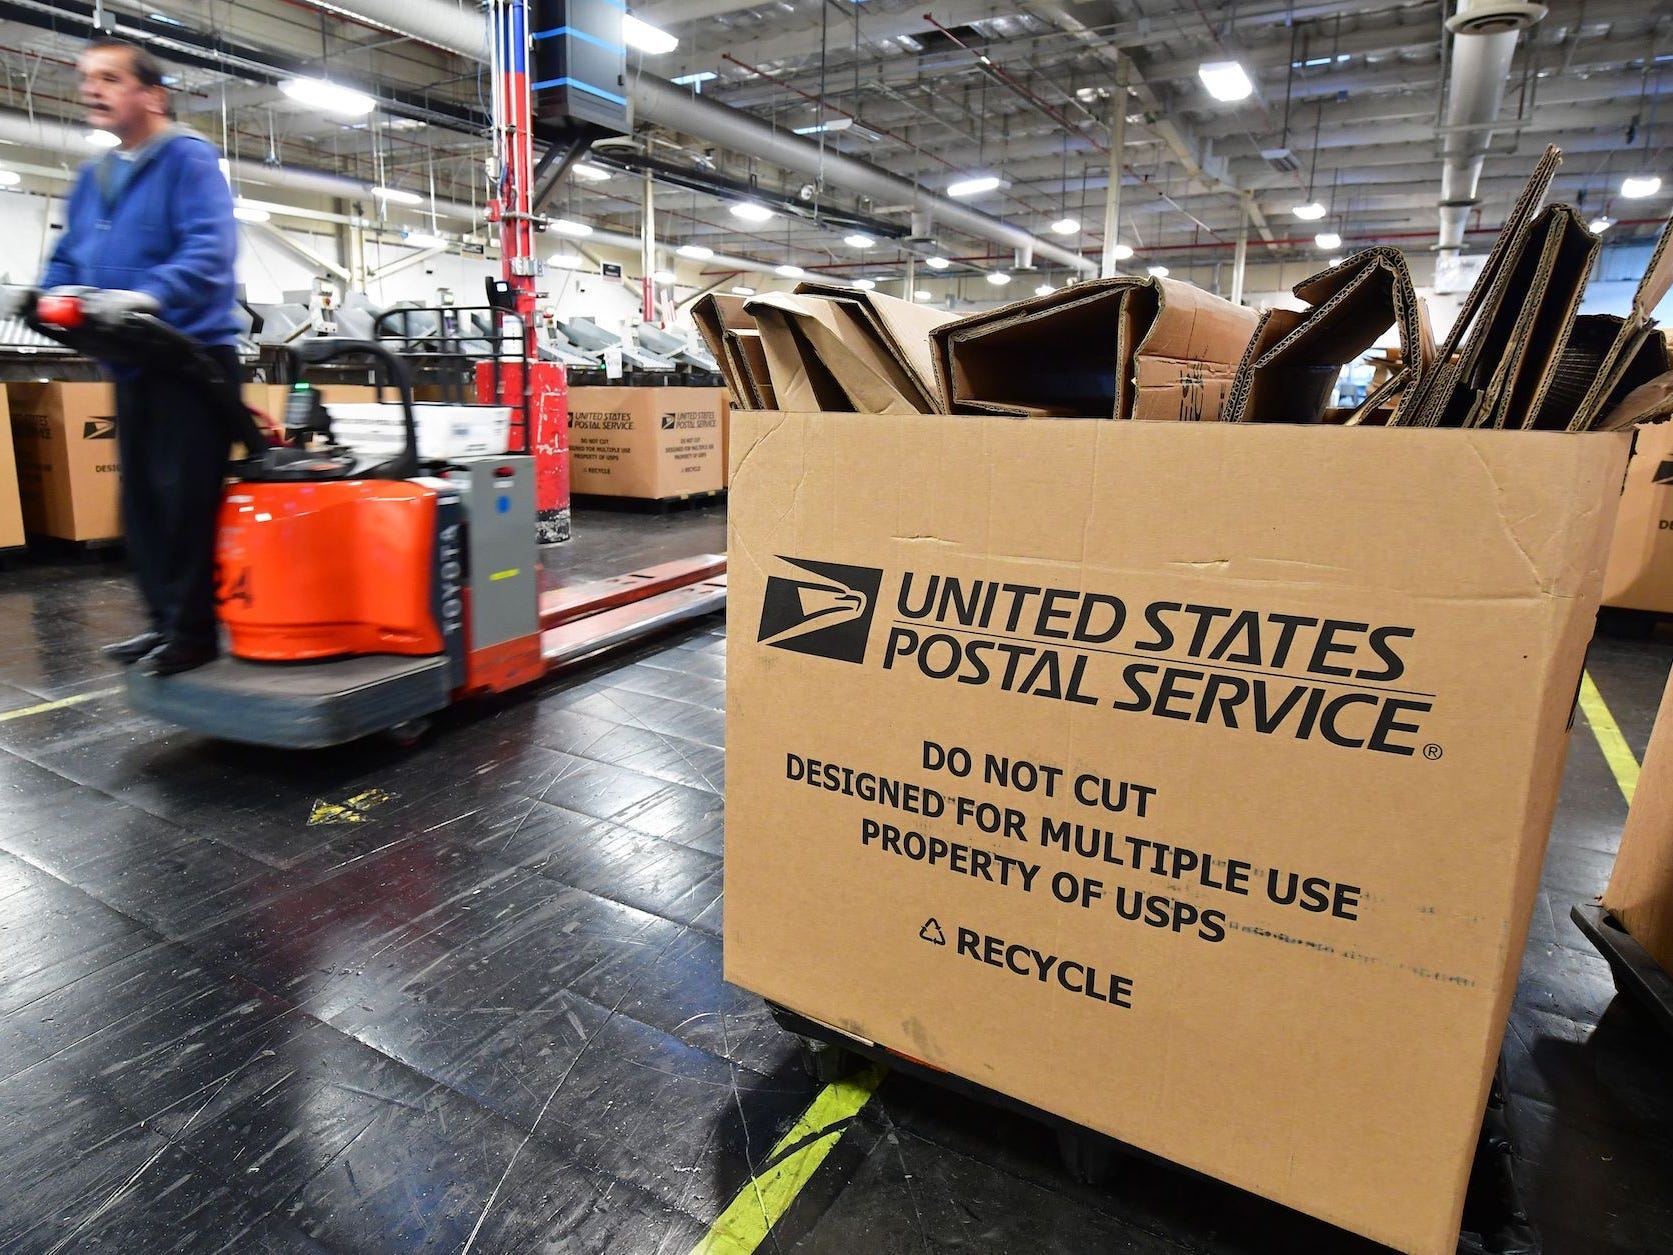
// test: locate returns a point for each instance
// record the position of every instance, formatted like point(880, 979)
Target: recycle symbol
point(931, 932)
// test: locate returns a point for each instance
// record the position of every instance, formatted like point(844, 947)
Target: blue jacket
point(169, 232)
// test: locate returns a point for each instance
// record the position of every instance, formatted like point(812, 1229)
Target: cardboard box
point(1640, 892)
point(1188, 780)
point(1639, 575)
point(647, 443)
point(11, 505)
point(68, 477)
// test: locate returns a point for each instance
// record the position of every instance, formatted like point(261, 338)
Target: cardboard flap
point(1658, 278)
point(1650, 402)
point(801, 381)
point(901, 329)
point(715, 315)
point(748, 360)
point(1541, 333)
point(837, 346)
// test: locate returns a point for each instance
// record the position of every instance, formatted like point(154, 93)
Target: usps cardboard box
point(1121, 768)
point(646, 443)
point(1640, 571)
point(1640, 892)
point(65, 440)
point(11, 505)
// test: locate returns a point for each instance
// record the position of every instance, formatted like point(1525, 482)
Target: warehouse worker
point(152, 219)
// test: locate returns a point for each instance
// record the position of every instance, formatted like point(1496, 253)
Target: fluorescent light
point(589, 172)
point(422, 239)
point(1334, 261)
point(10, 178)
point(789, 272)
point(1600, 225)
point(566, 226)
point(1157, 272)
point(922, 296)
point(101, 139)
point(567, 261)
point(397, 195)
point(749, 211)
point(697, 252)
point(250, 213)
point(1312, 211)
point(974, 186)
point(1121, 252)
point(663, 276)
point(998, 278)
point(830, 126)
point(645, 37)
point(1638, 186)
point(695, 79)
point(741, 290)
point(858, 241)
point(1045, 289)
point(1225, 80)
point(937, 263)
point(1328, 240)
point(865, 285)
point(331, 97)
point(1066, 226)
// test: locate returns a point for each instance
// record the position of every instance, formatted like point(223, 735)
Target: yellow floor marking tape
point(57, 705)
point(765, 1197)
point(1616, 752)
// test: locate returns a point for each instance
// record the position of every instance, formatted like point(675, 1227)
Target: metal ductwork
point(1484, 40)
point(462, 29)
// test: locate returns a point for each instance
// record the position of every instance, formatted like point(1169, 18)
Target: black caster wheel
point(408, 733)
point(1090, 1158)
point(826, 1063)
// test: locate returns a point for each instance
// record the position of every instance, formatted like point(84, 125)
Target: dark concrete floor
point(490, 1016)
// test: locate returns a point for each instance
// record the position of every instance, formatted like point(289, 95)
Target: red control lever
point(61, 311)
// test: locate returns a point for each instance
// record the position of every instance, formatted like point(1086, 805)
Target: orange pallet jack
point(361, 595)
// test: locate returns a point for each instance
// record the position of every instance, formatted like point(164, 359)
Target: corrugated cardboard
point(1640, 892)
point(646, 443)
point(1167, 722)
point(898, 332)
point(802, 381)
point(823, 354)
point(1640, 571)
point(11, 506)
point(725, 327)
point(1293, 361)
point(1121, 348)
point(65, 440)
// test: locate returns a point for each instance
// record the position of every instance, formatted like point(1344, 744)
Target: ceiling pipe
point(1484, 36)
point(461, 29)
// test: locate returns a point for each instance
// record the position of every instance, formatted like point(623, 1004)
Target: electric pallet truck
point(358, 594)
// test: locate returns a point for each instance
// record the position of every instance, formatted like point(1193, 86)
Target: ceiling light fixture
point(828, 127)
point(1600, 225)
point(101, 139)
point(865, 285)
point(1121, 252)
point(318, 93)
point(645, 37)
point(1066, 226)
point(1157, 272)
point(663, 276)
point(1328, 240)
point(922, 296)
point(1312, 211)
point(695, 79)
point(1045, 289)
point(789, 272)
point(1225, 80)
point(567, 261)
point(397, 195)
point(569, 227)
point(697, 252)
point(589, 172)
point(975, 186)
point(857, 240)
point(741, 290)
point(422, 239)
point(998, 278)
point(1638, 186)
point(937, 263)
point(250, 213)
point(749, 211)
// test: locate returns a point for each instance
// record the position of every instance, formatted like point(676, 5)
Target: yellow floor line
point(745, 1223)
point(62, 702)
point(1616, 752)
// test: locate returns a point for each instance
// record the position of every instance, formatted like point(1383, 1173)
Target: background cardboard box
point(65, 440)
point(1640, 892)
point(646, 443)
point(1262, 760)
point(11, 505)
point(1640, 571)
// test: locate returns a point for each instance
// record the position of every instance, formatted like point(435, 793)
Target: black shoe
point(173, 657)
point(134, 648)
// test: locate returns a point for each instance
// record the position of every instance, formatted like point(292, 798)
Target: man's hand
point(109, 304)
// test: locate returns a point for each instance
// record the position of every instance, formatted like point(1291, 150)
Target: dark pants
point(174, 454)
